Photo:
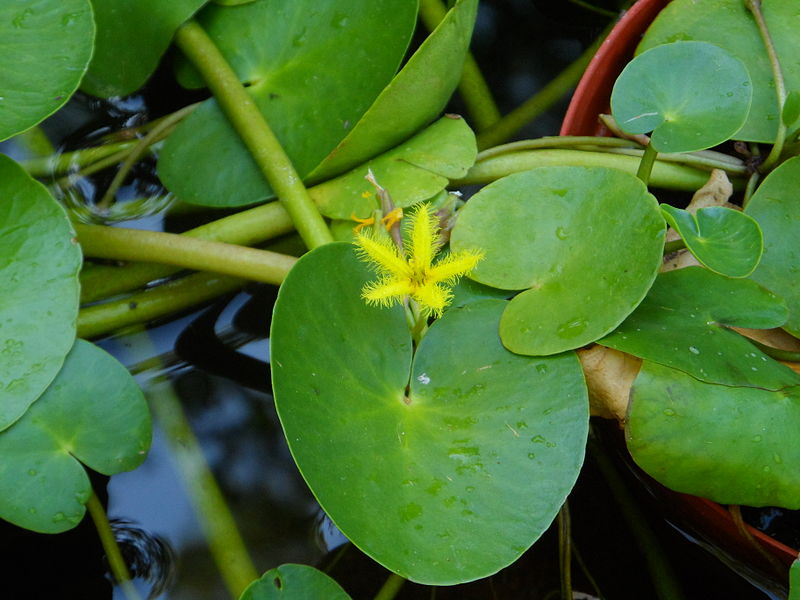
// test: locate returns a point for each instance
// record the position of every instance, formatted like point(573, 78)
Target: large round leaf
point(294, 582)
point(585, 244)
point(774, 207)
point(449, 481)
point(313, 68)
point(730, 444)
point(45, 47)
point(93, 413)
point(729, 25)
point(39, 263)
point(683, 323)
point(131, 37)
point(691, 95)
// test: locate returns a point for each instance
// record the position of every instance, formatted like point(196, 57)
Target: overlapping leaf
point(294, 582)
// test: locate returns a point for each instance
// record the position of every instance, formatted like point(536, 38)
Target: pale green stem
point(390, 588)
point(700, 161)
point(646, 164)
point(61, 163)
point(116, 563)
point(565, 551)
point(100, 241)
point(254, 131)
point(754, 6)
point(551, 93)
point(35, 143)
point(750, 189)
point(146, 306)
point(474, 91)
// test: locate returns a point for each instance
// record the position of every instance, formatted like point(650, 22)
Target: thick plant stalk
point(256, 134)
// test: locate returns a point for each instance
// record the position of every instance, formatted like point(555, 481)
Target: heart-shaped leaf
point(691, 95)
point(724, 240)
point(131, 37)
point(294, 582)
point(290, 55)
point(774, 207)
point(729, 25)
point(447, 480)
point(734, 445)
point(93, 413)
point(540, 231)
point(46, 47)
point(682, 324)
point(39, 264)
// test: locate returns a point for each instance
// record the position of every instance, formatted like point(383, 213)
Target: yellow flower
point(413, 273)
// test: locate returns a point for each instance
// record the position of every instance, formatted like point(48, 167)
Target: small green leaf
point(582, 275)
point(791, 109)
point(775, 208)
point(46, 47)
point(93, 412)
point(39, 264)
point(724, 240)
point(794, 580)
point(294, 582)
point(733, 445)
point(683, 323)
point(446, 482)
point(691, 95)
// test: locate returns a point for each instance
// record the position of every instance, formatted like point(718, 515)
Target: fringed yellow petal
point(432, 298)
point(386, 291)
point(453, 266)
point(424, 238)
point(383, 254)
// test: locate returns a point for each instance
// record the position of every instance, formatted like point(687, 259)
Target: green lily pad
point(290, 55)
point(682, 324)
point(691, 95)
point(730, 444)
point(775, 209)
point(729, 25)
point(412, 172)
point(451, 482)
point(582, 275)
point(294, 582)
point(131, 38)
point(93, 413)
point(724, 240)
point(794, 580)
point(39, 264)
point(416, 96)
point(46, 47)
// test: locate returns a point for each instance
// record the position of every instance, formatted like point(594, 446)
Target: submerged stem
point(565, 551)
point(390, 588)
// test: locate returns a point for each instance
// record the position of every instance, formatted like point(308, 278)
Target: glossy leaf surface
point(682, 324)
point(46, 46)
point(312, 68)
point(729, 444)
point(724, 240)
point(93, 413)
point(690, 95)
point(39, 263)
point(541, 232)
point(294, 582)
point(449, 483)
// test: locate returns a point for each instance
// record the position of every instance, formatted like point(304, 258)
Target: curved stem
point(646, 164)
point(61, 163)
point(575, 142)
point(390, 588)
point(565, 551)
point(254, 131)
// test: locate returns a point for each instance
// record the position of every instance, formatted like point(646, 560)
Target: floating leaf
point(414, 171)
point(417, 94)
point(582, 274)
point(46, 46)
point(93, 413)
point(729, 25)
point(682, 324)
point(794, 580)
point(451, 482)
point(791, 108)
point(313, 68)
point(729, 444)
point(294, 582)
point(39, 264)
point(774, 207)
point(131, 38)
point(725, 240)
point(691, 95)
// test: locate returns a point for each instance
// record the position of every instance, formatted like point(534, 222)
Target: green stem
point(256, 134)
point(575, 142)
point(694, 159)
point(390, 588)
point(754, 6)
point(750, 189)
point(473, 87)
point(565, 551)
point(551, 93)
point(674, 246)
point(646, 164)
point(595, 9)
point(117, 243)
point(113, 554)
